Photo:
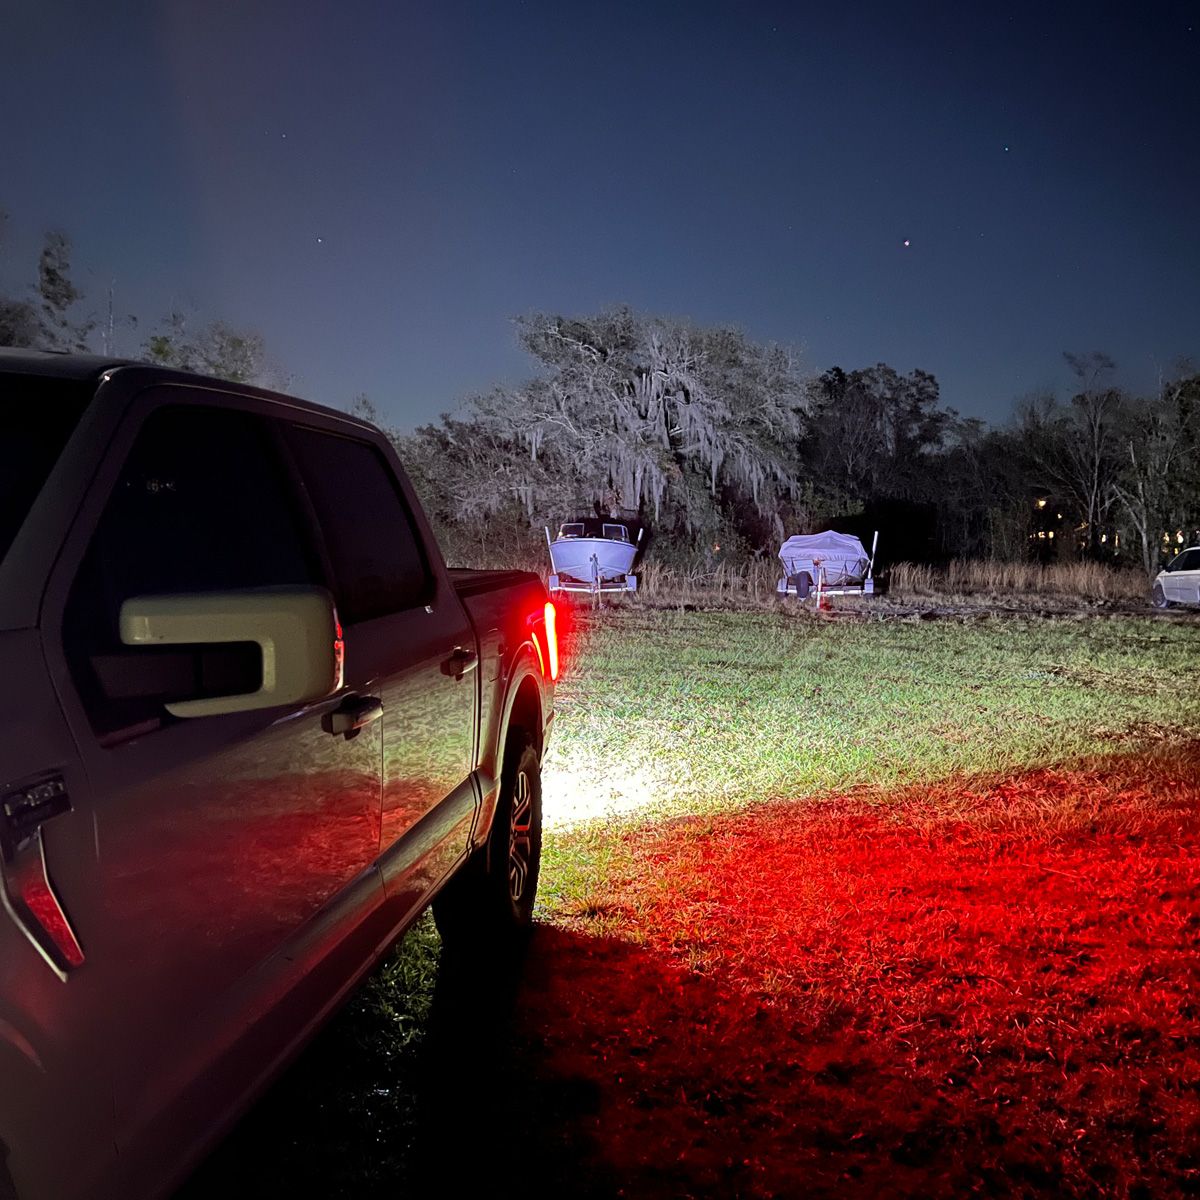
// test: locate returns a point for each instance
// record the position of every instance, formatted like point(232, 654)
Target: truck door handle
point(464, 659)
point(353, 714)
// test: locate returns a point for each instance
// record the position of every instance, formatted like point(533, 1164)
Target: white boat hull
point(591, 560)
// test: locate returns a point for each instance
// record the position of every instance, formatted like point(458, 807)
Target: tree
point(696, 427)
point(1157, 484)
point(1076, 449)
point(983, 494)
point(18, 318)
point(47, 320)
point(871, 434)
point(19, 326)
point(216, 349)
point(59, 297)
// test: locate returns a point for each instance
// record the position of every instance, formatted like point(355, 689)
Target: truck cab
point(250, 728)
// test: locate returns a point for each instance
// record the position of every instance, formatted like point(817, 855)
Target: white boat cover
point(840, 554)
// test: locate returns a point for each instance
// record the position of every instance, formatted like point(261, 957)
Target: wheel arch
point(523, 713)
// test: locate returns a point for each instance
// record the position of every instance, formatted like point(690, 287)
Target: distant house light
point(1039, 503)
point(1179, 537)
point(1104, 537)
point(1059, 516)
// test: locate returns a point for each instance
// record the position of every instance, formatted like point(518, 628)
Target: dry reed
point(983, 577)
point(752, 584)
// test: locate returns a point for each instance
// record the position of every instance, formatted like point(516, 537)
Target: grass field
point(693, 711)
point(861, 909)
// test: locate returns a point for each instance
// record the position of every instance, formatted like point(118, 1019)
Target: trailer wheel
point(802, 583)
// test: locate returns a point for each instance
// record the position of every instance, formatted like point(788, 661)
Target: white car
point(1179, 581)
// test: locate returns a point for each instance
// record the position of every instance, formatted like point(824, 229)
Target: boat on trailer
point(593, 555)
point(826, 564)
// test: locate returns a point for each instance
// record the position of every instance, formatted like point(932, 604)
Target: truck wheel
point(1159, 598)
point(803, 583)
point(490, 903)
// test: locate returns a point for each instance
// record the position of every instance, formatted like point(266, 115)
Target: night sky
point(379, 188)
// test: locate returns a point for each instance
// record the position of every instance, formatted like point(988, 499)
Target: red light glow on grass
point(981, 990)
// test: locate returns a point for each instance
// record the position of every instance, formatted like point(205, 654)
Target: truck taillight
point(552, 637)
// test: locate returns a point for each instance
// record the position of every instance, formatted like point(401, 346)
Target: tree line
point(54, 314)
point(724, 445)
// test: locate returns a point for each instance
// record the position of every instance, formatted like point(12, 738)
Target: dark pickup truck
point(250, 727)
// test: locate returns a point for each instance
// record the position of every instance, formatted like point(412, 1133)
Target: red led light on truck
point(37, 907)
point(552, 637)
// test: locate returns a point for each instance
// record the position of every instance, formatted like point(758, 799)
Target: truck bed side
point(507, 610)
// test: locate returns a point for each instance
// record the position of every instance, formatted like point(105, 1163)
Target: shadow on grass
point(986, 992)
point(421, 1092)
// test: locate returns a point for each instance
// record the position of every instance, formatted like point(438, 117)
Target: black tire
point(489, 904)
point(1159, 598)
point(803, 584)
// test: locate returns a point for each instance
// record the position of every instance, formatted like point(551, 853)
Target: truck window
point(203, 504)
point(369, 534)
point(36, 418)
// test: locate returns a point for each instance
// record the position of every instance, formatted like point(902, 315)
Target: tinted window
point(36, 418)
point(202, 504)
point(1189, 560)
point(373, 547)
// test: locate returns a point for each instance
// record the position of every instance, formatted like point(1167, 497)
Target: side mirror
point(296, 628)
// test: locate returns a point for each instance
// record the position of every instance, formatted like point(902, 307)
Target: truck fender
point(523, 708)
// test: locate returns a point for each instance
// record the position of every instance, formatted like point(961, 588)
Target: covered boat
point(593, 554)
point(830, 561)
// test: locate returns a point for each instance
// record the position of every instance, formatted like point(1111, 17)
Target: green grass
point(670, 712)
